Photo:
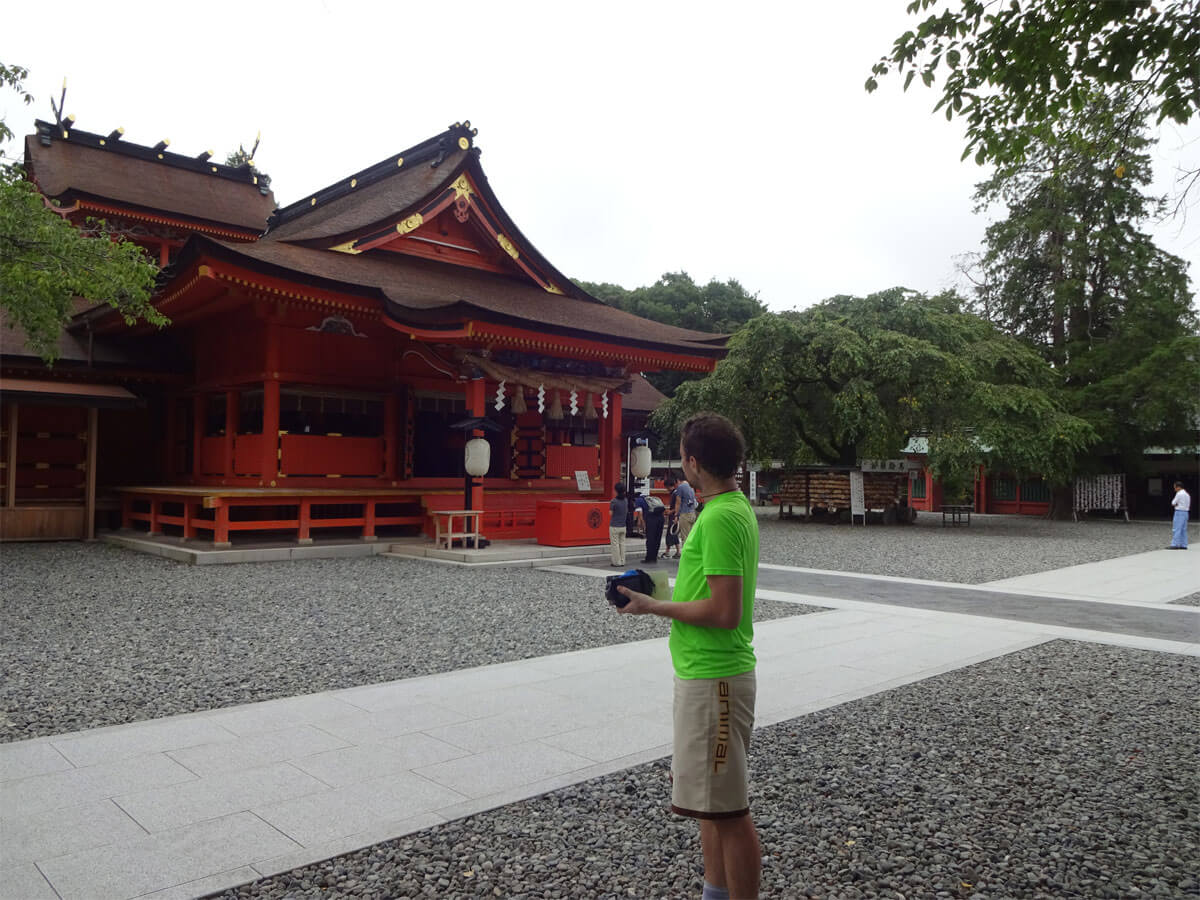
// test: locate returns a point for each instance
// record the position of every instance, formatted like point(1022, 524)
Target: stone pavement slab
point(1159, 576)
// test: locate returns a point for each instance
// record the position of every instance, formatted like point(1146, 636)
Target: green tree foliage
point(1011, 67)
point(719, 307)
point(857, 377)
point(1069, 271)
point(45, 261)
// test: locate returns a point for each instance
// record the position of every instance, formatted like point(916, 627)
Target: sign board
point(890, 465)
point(582, 480)
point(858, 505)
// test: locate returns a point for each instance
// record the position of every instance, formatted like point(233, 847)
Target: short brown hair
point(716, 443)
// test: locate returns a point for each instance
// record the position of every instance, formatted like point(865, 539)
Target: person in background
point(618, 509)
point(1182, 502)
point(650, 509)
point(672, 519)
point(685, 508)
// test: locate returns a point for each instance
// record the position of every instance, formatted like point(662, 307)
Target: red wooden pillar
point(391, 435)
point(369, 521)
point(270, 432)
point(154, 510)
point(10, 471)
point(476, 403)
point(221, 529)
point(610, 445)
point(231, 427)
point(170, 469)
point(89, 527)
point(304, 532)
point(198, 426)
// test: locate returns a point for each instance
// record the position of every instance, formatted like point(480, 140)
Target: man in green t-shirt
point(712, 611)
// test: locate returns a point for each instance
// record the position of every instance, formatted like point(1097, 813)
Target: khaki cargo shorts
point(709, 769)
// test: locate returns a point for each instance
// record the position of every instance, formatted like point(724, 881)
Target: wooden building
point(318, 355)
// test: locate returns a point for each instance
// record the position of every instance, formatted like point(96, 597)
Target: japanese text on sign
point(890, 465)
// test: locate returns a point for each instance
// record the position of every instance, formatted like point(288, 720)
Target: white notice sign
point(582, 480)
point(858, 505)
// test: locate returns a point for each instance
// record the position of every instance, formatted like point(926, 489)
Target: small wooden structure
point(829, 488)
point(49, 434)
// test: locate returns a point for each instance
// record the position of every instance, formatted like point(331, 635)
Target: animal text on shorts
point(721, 753)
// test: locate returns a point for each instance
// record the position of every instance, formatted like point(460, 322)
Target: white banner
point(890, 465)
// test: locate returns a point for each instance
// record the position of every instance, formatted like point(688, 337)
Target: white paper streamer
point(604, 404)
point(541, 398)
point(500, 397)
point(574, 403)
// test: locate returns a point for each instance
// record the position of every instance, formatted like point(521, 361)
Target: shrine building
point(321, 358)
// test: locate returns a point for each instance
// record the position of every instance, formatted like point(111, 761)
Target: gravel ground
point(94, 635)
point(1066, 770)
point(993, 547)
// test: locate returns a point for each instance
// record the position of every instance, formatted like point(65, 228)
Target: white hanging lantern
point(500, 397)
point(477, 457)
point(639, 461)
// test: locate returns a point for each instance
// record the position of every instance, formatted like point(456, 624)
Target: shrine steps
point(499, 553)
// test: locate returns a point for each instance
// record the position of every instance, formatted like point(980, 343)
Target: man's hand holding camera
point(639, 604)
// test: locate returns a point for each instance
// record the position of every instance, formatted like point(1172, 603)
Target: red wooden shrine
point(318, 355)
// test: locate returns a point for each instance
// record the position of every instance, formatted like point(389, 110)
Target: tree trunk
point(1062, 503)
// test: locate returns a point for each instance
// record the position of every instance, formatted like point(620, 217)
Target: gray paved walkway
point(1154, 622)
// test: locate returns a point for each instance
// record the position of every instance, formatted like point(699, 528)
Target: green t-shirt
point(724, 541)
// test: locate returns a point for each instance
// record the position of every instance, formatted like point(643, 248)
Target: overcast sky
point(625, 139)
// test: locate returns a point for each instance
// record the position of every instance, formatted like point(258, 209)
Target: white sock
point(714, 893)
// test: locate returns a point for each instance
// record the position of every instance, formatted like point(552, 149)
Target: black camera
point(634, 579)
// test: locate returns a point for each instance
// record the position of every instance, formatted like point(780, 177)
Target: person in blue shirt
point(685, 507)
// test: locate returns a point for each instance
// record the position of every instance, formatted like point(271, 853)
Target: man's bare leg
point(732, 857)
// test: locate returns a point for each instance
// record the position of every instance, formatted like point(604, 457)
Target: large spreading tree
point(719, 307)
point(46, 261)
point(856, 377)
point(1070, 271)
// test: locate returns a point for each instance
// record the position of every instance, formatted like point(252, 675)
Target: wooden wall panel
point(42, 523)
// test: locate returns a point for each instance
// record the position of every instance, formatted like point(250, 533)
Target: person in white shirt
point(1182, 503)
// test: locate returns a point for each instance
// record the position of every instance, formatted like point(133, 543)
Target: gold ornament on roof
point(508, 246)
point(462, 187)
point(412, 223)
point(463, 143)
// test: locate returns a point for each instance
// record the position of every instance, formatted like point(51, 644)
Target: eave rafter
point(183, 225)
point(475, 333)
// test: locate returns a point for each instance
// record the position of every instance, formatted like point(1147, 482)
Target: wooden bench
point(957, 511)
point(443, 523)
